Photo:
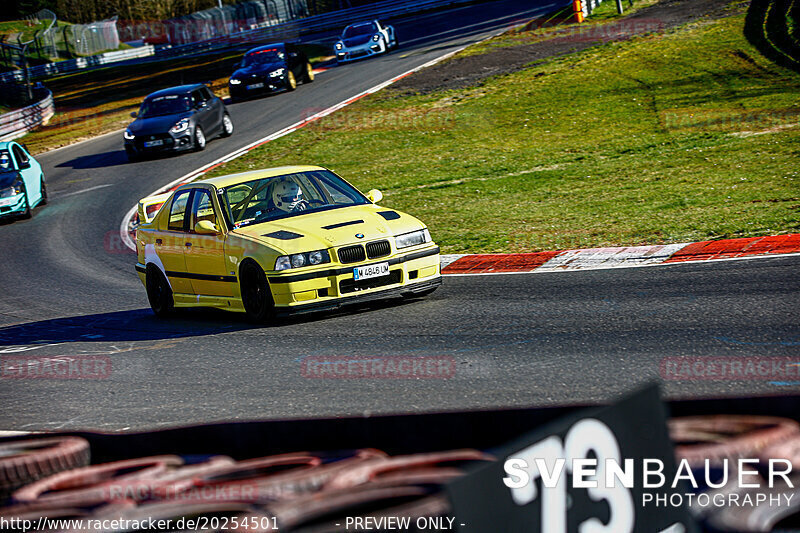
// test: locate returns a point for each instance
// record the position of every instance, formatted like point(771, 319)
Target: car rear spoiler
point(149, 207)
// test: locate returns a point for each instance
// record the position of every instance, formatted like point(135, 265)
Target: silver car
point(365, 39)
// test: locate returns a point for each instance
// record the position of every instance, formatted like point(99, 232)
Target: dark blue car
point(269, 68)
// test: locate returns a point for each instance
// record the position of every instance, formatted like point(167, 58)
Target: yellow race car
point(279, 241)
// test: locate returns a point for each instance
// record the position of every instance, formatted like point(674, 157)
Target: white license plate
point(255, 86)
point(149, 144)
point(371, 271)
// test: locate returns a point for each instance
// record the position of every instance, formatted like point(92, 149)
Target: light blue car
point(22, 185)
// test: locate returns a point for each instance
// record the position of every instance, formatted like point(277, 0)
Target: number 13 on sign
point(548, 459)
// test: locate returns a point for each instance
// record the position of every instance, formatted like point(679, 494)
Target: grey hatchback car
point(176, 119)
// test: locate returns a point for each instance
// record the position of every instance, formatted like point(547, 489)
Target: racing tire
point(24, 461)
point(227, 125)
point(256, 294)
point(159, 293)
point(27, 212)
point(291, 81)
point(199, 139)
point(309, 77)
point(43, 190)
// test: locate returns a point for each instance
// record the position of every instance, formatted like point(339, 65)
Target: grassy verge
point(684, 136)
point(553, 25)
point(99, 101)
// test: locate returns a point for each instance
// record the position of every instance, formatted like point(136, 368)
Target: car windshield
point(165, 105)
point(263, 57)
point(285, 196)
point(366, 28)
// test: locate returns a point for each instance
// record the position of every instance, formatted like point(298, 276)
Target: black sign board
point(573, 485)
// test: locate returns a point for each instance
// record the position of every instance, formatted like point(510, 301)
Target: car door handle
point(158, 241)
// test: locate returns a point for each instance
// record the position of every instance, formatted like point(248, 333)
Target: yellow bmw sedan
point(280, 241)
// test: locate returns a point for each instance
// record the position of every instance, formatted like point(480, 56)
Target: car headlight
point(8, 192)
point(234, 81)
point(376, 37)
point(412, 239)
point(316, 257)
point(276, 73)
point(128, 135)
point(181, 126)
point(339, 46)
point(18, 186)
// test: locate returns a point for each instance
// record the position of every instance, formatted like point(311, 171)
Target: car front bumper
point(332, 287)
point(359, 52)
point(251, 87)
point(170, 142)
point(12, 205)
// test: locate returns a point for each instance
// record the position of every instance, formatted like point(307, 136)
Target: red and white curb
point(625, 256)
point(126, 227)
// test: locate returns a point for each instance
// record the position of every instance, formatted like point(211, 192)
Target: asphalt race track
point(69, 289)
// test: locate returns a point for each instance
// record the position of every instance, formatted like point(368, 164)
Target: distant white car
point(365, 39)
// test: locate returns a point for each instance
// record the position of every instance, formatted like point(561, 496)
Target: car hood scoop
point(312, 235)
point(343, 224)
point(283, 235)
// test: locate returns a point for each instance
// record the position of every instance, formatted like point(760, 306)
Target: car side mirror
point(205, 227)
point(134, 114)
point(374, 196)
point(24, 166)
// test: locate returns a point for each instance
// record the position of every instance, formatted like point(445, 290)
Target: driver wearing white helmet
point(288, 197)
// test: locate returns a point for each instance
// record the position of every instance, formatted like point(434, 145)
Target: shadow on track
point(142, 325)
point(135, 325)
point(106, 159)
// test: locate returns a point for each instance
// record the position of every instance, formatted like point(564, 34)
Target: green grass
point(27, 29)
point(666, 138)
point(555, 24)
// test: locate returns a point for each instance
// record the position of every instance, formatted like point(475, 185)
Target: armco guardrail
point(334, 20)
point(18, 123)
point(285, 31)
point(71, 65)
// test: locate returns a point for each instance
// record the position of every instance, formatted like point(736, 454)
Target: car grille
point(350, 285)
point(378, 249)
point(351, 254)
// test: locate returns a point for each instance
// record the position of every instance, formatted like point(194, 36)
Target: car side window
point(177, 211)
point(202, 209)
point(20, 155)
point(197, 98)
point(207, 93)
